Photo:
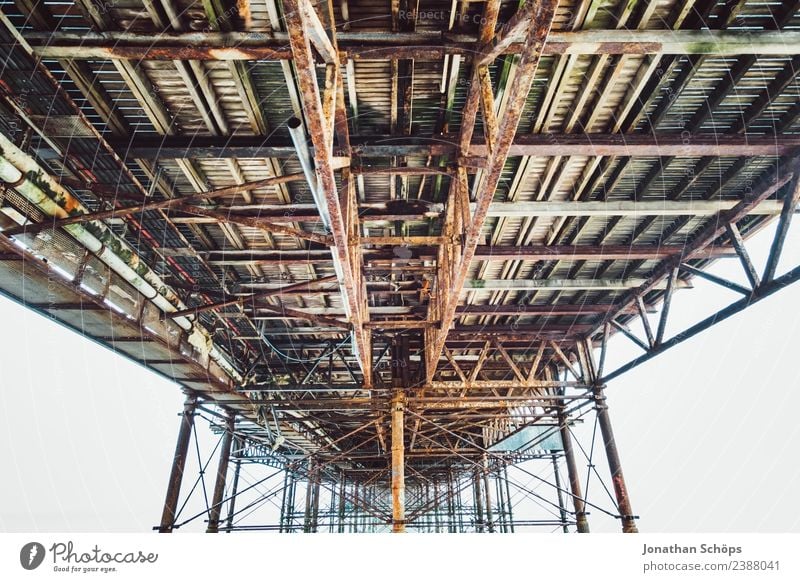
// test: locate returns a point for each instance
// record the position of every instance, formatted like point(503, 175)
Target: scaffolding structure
point(382, 246)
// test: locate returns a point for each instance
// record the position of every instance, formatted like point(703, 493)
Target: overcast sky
point(707, 432)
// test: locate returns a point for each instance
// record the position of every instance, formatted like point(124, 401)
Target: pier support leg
point(178, 464)
point(614, 464)
point(398, 465)
point(222, 472)
point(574, 477)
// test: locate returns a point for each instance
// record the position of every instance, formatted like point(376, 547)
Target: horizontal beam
point(255, 46)
point(381, 213)
point(483, 253)
point(542, 145)
point(560, 284)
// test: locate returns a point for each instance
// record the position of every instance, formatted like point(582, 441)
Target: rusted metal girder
point(178, 465)
point(159, 205)
point(258, 223)
point(482, 253)
point(542, 145)
point(398, 464)
point(454, 272)
point(761, 191)
point(252, 298)
point(257, 46)
point(346, 250)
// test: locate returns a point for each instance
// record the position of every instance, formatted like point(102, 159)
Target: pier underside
point(382, 245)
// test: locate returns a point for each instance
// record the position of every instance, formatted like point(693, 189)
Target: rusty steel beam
point(542, 14)
point(252, 298)
point(160, 205)
point(346, 259)
point(482, 253)
point(216, 46)
point(264, 224)
point(536, 144)
point(716, 227)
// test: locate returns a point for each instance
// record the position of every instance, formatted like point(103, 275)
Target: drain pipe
point(298, 134)
point(23, 174)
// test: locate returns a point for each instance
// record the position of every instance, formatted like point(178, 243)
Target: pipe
point(26, 177)
point(298, 135)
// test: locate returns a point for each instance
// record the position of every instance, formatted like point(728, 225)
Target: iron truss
point(382, 246)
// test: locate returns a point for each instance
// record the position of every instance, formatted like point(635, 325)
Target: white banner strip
point(118, 557)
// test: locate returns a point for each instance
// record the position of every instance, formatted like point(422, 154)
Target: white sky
point(707, 432)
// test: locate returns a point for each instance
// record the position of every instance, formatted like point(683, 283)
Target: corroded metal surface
point(298, 210)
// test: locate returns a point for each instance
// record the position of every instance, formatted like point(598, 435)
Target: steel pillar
point(614, 464)
point(222, 472)
point(562, 510)
point(574, 478)
point(508, 499)
point(476, 492)
point(238, 443)
point(178, 464)
point(398, 464)
point(487, 493)
point(342, 492)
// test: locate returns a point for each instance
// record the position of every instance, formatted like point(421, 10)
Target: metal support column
point(574, 478)
point(476, 492)
point(222, 472)
point(342, 493)
point(178, 464)
point(488, 495)
point(562, 509)
point(398, 464)
point(237, 446)
point(614, 464)
point(510, 515)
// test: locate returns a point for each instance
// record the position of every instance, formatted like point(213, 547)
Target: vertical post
point(488, 494)
point(315, 506)
point(342, 491)
point(572, 470)
point(436, 506)
point(178, 465)
point(354, 522)
point(476, 491)
point(614, 464)
point(309, 500)
point(398, 464)
point(289, 513)
point(222, 472)
point(234, 486)
point(451, 504)
point(501, 505)
point(562, 510)
point(508, 500)
point(284, 496)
